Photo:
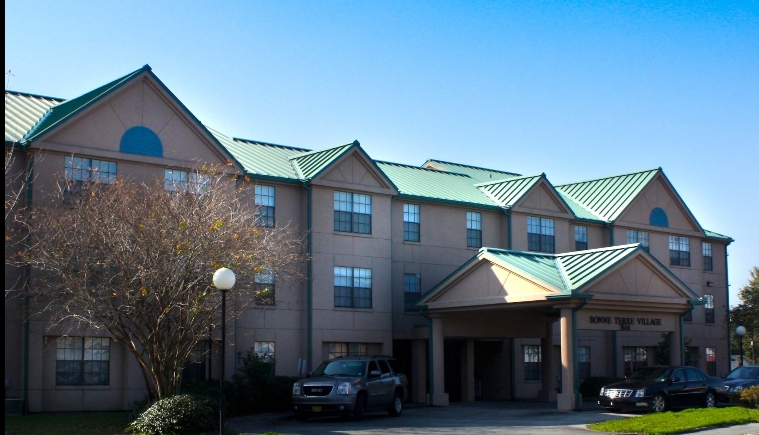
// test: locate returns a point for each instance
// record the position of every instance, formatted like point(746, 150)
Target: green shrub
point(591, 386)
point(255, 389)
point(750, 397)
point(177, 415)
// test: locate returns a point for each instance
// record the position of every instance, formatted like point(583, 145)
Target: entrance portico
point(509, 295)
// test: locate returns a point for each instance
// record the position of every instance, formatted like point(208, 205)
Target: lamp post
point(741, 331)
point(223, 279)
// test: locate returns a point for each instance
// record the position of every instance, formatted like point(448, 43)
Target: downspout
point(513, 374)
point(727, 302)
point(575, 363)
point(508, 228)
point(430, 368)
point(682, 338)
point(309, 285)
point(610, 226)
point(27, 281)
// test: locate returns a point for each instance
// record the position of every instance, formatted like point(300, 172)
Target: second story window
point(353, 287)
point(473, 229)
point(353, 212)
point(411, 287)
point(679, 251)
point(175, 180)
point(264, 287)
point(706, 249)
point(540, 235)
point(638, 237)
point(709, 309)
point(581, 238)
point(78, 170)
point(265, 206)
point(411, 222)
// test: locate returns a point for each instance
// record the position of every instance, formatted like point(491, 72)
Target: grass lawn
point(674, 422)
point(69, 423)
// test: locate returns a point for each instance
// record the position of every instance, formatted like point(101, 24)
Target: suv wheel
point(358, 411)
point(396, 408)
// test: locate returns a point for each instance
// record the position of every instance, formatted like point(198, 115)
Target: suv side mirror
point(375, 374)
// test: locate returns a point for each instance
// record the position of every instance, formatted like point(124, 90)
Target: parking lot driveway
point(514, 418)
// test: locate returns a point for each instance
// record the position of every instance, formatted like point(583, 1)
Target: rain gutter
point(508, 227)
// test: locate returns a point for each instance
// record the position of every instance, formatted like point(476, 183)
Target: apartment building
point(484, 284)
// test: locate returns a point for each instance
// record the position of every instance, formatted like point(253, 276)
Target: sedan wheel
point(659, 404)
point(711, 400)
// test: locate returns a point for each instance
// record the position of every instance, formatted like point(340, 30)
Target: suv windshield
point(341, 368)
point(744, 373)
point(652, 374)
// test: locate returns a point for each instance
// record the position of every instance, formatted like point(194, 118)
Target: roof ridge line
point(605, 248)
point(239, 139)
point(27, 94)
point(501, 180)
point(611, 176)
point(295, 156)
point(516, 251)
point(406, 165)
point(473, 167)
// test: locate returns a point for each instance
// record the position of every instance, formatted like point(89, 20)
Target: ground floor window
point(195, 370)
point(636, 357)
point(265, 350)
point(583, 361)
point(82, 361)
point(532, 368)
point(346, 349)
point(711, 362)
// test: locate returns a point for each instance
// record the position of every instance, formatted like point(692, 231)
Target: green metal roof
point(713, 235)
point(309, 164)
point(582, 267)
point(506, 193)
point(477, 173)
point(260, 158)
point(580, 211)
point(434, 184)
point(609, 197)
point(23, 111)
point(540, 266)
point(63, 111)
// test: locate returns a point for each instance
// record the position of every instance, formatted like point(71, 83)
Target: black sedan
point(661, 388)
point(740, 378)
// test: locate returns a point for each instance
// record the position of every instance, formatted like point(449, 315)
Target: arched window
point(658, 218)
point(141, 140)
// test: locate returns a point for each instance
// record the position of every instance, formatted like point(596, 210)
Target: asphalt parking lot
point(489, 418)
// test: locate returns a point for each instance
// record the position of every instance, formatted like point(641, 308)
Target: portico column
point(419, 371)
point(439, 396)
point(566, 400)
point(547, 393)
point(467, 372)
point(675, 350)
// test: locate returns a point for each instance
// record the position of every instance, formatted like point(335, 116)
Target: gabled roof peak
point(612, 176)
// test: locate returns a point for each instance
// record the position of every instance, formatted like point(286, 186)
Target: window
point(264, 350)
point(411, 222)
point(195, 370)
point(583, 361)
point(77, 169)
point(540, 235)
point(581, 238)
point(411, 287)
point(353, 212)
point(265, 206)
point(711, 362)
point(688, 317)
point(532, 369)
point(346, 349)
point(82, 361)
point(638, 237)
point(706, 249)
point(658, 217)
point(175, 180)
point(353, 287)
point(709, 309)
point(635, 358)
point(264, 287)
point(679, 251)
point(473, 229)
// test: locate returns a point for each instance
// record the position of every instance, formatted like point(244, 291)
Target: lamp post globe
point(741, 331)
point(224, 280)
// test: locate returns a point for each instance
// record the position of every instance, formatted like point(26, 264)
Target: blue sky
point(577, 90)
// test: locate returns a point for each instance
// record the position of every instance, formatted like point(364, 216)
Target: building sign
point(625, 321)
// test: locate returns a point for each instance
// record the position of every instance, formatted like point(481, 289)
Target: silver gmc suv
point(350, 386)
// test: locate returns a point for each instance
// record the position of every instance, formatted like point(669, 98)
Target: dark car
point(350, 386)
point(661, 388)
point(737, 380)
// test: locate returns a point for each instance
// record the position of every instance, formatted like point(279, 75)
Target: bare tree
point(137, 259)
